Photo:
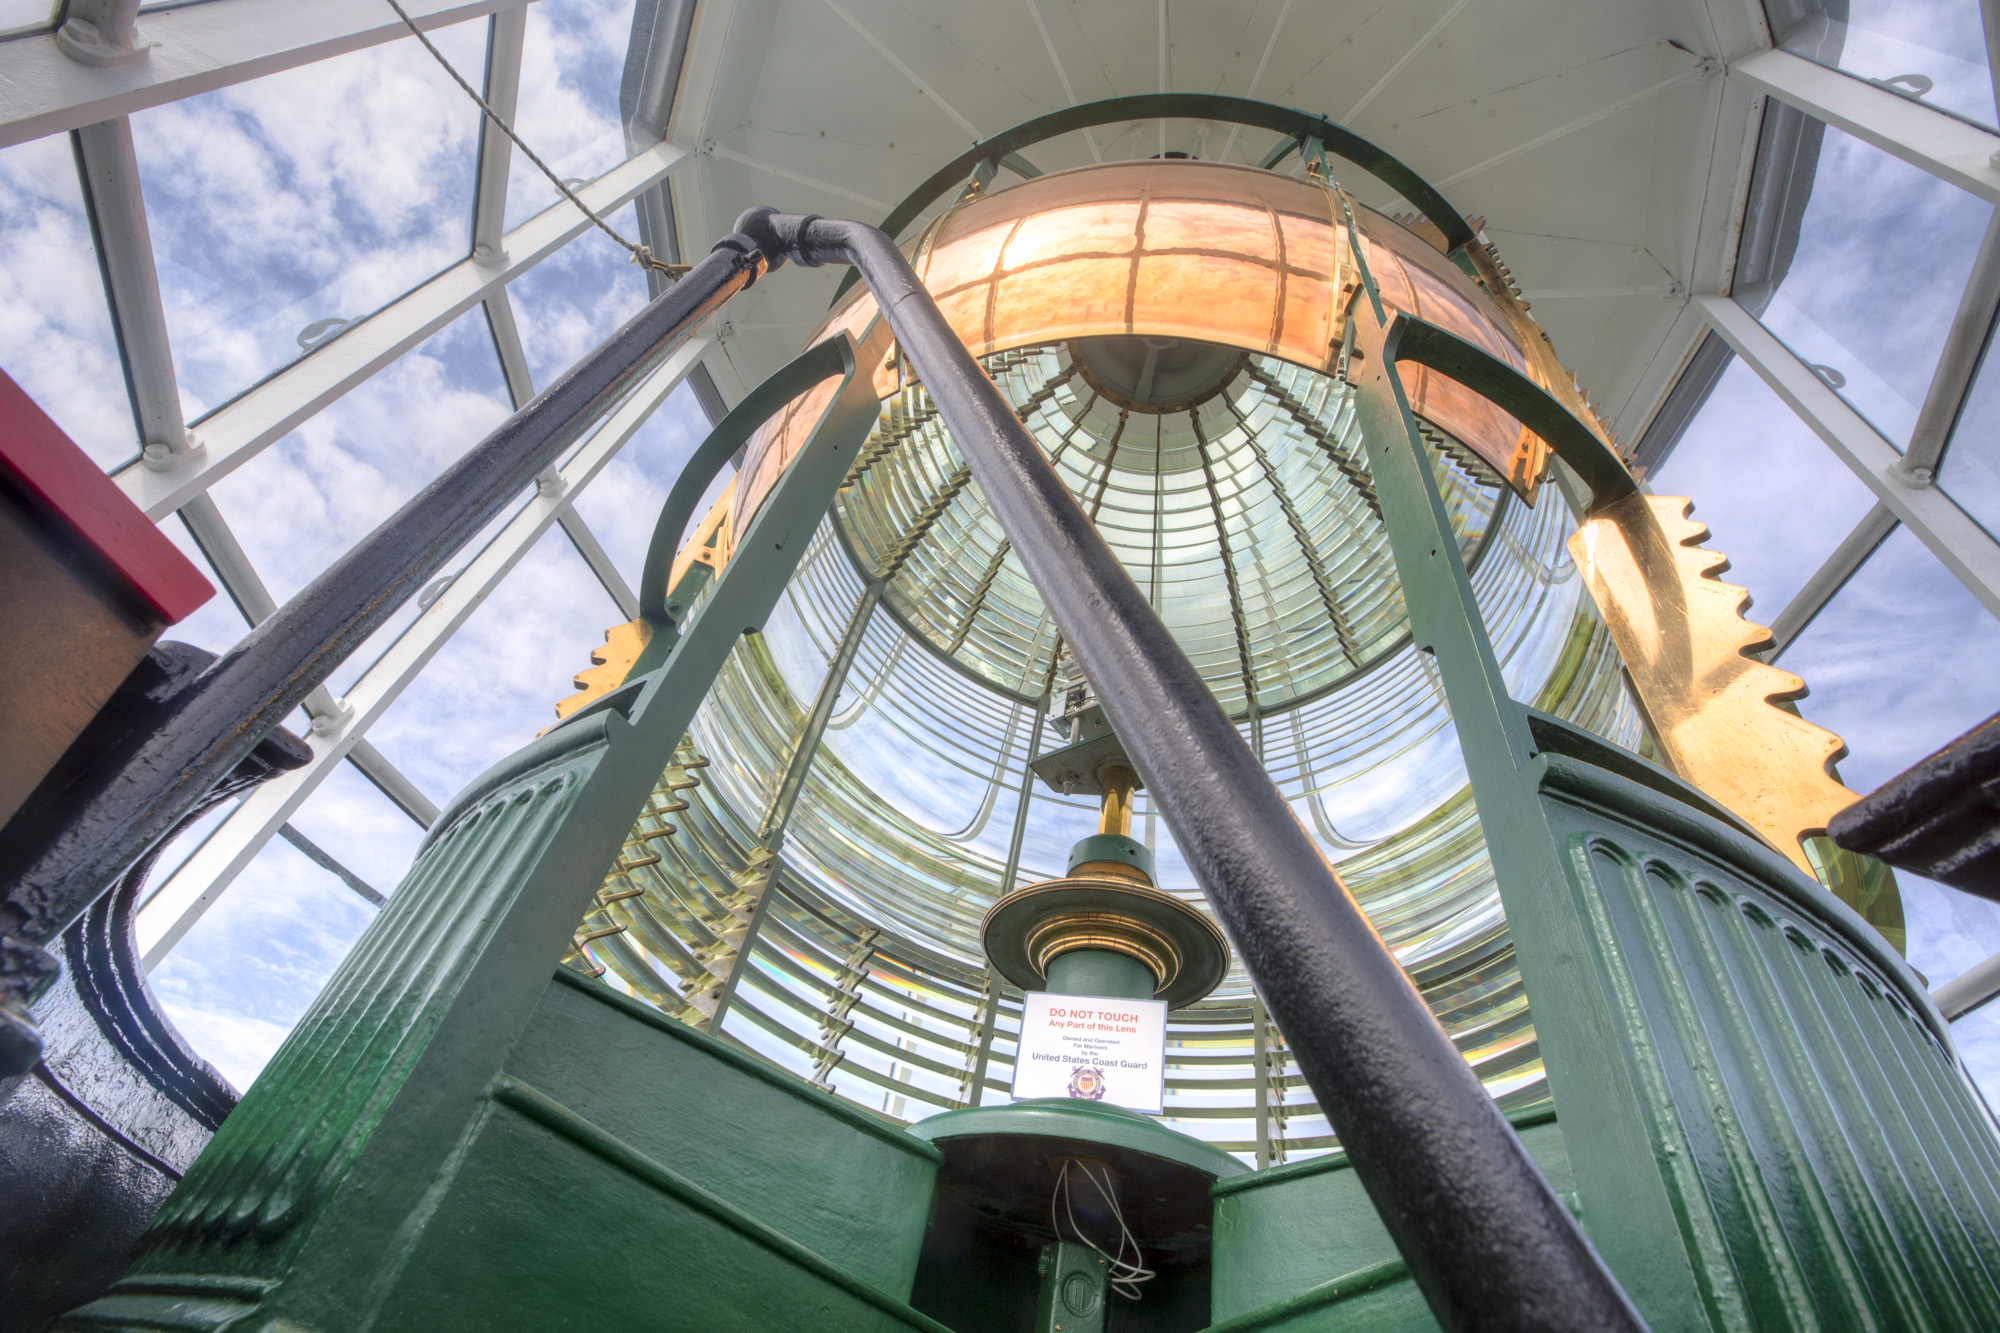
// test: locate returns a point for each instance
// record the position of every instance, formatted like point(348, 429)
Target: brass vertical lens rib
point(1116, 813)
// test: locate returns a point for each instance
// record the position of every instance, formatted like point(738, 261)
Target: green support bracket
point(354, 1122)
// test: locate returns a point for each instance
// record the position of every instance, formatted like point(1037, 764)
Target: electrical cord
point(641, 254)
point(1127, 1277)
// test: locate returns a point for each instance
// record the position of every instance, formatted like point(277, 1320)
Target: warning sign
point(1092, 1049)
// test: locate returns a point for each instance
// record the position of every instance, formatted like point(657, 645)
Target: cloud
point(331, 190)
point(56, 339)
point(571, 65)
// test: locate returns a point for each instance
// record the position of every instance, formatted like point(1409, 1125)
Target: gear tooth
point(623, 645)
point(1734, 738)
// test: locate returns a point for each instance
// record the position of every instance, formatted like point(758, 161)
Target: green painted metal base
point(592, 1185)
point(1079, 1121)
point(1300, 1248)
point(1112, 847)
point(991, 1221)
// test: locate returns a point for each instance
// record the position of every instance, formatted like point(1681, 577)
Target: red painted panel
point(47, 466)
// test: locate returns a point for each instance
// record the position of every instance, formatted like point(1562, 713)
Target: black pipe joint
point(779, 237)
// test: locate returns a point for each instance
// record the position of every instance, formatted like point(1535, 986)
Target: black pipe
point(1485, 1236)
point(55, 868)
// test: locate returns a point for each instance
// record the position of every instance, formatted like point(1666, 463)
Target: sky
point(316, 196)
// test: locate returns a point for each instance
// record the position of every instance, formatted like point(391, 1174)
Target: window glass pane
point(56, 340)
point(1977, 1037)
point(577, 297)
point(1901, 663)
point(285, 205)
point(564, 307)
point(571, 68)
point(311, 496)
point(1884, 252)
point(1932, 50)
point(1773, 495)
point(244, 975)
point(17, 16)
point(495, 683)
point(623, 503)
point(1970, 471)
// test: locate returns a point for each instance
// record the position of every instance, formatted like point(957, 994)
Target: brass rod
point(1116, 815)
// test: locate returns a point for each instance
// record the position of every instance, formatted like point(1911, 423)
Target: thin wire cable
point(642, 255)
point(1127, 1277)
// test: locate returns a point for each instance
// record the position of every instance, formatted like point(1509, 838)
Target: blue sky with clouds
point(326, 192)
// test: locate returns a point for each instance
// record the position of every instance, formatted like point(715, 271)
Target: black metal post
point(1484, 1234)
point(72, 841)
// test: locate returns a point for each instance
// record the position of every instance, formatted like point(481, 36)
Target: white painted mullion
point(504, 47)
point(1827, 581)
point(1958, 360)
point(206, 874)
point(521, 387)
point(1948, 148)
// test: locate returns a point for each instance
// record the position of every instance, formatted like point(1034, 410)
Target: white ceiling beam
point(213, 866)
point(1827, 581)
point(1923, 136)
point(1961, 544)
point(1664, 290)
point(1958, 362)
point(1062, 75)
point(916, 79)
point(239, 431)
point(109, 173)
point(504, 48)
point(199, 48)
point(1256, 78)
point(786, 173)
point(1402, 62)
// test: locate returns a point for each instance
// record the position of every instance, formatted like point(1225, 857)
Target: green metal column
point(1629, 1212)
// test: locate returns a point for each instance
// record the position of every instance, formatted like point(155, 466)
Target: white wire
point(1126, 1277)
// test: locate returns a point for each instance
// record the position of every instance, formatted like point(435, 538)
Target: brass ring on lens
point(1037, 923)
